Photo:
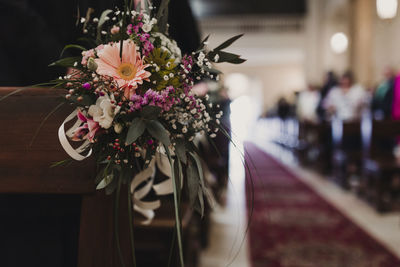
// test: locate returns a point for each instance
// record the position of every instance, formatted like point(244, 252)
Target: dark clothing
point(332, 82)
point(383, 100)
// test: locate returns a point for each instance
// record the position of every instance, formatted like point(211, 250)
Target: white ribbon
point(146, 176)
point(62, 136)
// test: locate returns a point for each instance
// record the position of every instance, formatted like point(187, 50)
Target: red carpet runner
point(293, 226)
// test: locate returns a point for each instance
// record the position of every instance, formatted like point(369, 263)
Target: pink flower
point(114, 30)
point(86, 55)
point(88, 130)
point(128, 72)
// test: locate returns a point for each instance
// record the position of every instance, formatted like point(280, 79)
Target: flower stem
point(116, 225)
point(130, 220)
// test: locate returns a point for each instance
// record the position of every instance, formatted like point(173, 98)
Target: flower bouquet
point(135, 108)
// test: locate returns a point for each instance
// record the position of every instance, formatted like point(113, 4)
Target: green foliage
point(66, 62)
point(70, 46)
point(180, 150)
point(157, 130)
point(136, 129)
point(228, 42)
point(150, 112)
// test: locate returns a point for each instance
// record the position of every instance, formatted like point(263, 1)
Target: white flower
point(104, 111)
point(169, 45)
point(118, 128)
point(216, 58)
point(83, 20)
point(147, 27)
point(201, 56)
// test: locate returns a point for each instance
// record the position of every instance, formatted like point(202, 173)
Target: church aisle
point(293, 226)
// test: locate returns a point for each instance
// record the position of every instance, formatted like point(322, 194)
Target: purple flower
point(87, 86)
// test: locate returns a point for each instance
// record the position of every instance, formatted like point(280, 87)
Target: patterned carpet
point(293, 226)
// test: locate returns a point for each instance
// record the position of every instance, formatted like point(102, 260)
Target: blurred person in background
point(329, 82)
point(307, 103)
point(347, 100)
point(382, 99)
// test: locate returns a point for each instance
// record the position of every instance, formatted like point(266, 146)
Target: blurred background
point(312, 177)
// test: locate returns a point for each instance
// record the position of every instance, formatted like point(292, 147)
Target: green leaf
point(66, 62)
point(228, 57)
point(150, 112)
point(180, 150)
point(60, 163)
point(157, 130)
point(106, 181)
point(136, 129)
point(192, 182)
point(110, 188)
point(202, 44)
point(199, 204)
point(176, 206)
point(228, 42)
point(72, 46)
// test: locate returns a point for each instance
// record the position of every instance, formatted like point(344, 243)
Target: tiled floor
point(228, 227)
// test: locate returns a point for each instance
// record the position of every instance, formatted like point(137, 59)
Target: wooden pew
point(380, 167)
point(25, 174)
point(346, 147)
point(314, 145)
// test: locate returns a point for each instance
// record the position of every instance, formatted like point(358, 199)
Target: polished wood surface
point(24, 161)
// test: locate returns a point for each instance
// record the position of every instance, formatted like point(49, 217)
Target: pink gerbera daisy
point(128, 72)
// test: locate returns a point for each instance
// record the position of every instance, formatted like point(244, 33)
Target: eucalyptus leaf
point(66, 62)
point(106, 181)
point(227, 57)
point(180, 149)
point(176, 206)
point(192, 182)
point(202, 44)
point(110, 188)
point(136, 129)
point(157, 130)
point(75, 46)
point(199, 168)
point(228, 42)
point(150, 112)
point(199, 204)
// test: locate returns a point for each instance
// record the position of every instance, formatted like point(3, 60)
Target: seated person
point(383, 97)
point(346, 101)
point(307, 102)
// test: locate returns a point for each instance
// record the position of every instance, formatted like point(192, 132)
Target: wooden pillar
point(362, 32)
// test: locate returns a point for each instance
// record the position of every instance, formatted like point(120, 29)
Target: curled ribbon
point(142, 183)
point(146, 176)
point(62, 136)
